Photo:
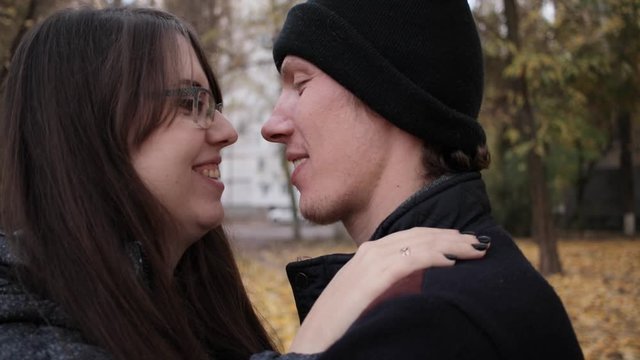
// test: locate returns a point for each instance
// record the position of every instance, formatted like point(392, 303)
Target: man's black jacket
point(498, 307)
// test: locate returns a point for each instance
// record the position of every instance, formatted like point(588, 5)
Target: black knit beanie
point(417, 63)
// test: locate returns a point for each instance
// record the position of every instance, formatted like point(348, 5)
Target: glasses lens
point(203, 103)
point(206, 108)
point(186, 103)
point(197, 102)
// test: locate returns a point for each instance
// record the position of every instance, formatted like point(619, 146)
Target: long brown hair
point(83, 86)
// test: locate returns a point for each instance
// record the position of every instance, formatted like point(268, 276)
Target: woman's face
point(180, 161)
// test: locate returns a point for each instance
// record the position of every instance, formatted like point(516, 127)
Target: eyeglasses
point(197, 102)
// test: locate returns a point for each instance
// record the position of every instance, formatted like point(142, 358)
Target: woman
point(111, 203)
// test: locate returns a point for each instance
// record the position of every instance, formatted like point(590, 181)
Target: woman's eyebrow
point(189, 83)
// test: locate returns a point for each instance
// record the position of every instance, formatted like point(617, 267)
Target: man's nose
point(279, 126)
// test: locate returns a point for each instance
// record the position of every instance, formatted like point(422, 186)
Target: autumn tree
point(599, 39)
point(528, 124)
point(560, 78)
point(16, 18)
point(616, 83)
point(521, 111)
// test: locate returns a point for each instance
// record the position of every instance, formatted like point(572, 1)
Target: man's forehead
point(291, 63)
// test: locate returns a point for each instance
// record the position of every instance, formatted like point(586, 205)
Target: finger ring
point(405, 251)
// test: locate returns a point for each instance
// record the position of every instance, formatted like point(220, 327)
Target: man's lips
point(296, 157)
point(298, 162)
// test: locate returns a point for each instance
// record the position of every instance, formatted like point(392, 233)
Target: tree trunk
point(541, 221)
point(626, 173)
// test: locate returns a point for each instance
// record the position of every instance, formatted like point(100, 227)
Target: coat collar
point(457, 201)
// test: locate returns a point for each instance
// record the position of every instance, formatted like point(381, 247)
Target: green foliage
point(582, 66)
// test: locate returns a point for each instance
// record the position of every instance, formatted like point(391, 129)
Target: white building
point(251, 169)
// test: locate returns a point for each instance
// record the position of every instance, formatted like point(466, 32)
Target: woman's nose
point(221, 131)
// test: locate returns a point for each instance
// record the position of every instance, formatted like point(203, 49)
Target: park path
point(257, 234)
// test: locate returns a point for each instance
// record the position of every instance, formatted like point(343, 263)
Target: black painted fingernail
point(468, 232)
point(451, 257)
point(480, 246)
point(484, 239)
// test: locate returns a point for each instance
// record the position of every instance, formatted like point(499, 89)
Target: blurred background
point(562, 114)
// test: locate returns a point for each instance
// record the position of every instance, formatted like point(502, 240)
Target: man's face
point(336, 144)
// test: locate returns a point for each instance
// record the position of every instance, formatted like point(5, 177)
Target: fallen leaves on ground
point(600, 288)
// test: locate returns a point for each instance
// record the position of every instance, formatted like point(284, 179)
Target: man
point(378, 114)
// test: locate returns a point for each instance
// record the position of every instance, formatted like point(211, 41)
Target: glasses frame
point(195, 91)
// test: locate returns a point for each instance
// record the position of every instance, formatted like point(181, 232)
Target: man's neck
point(362, 226)
point(386, 199)
point(402, 175)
